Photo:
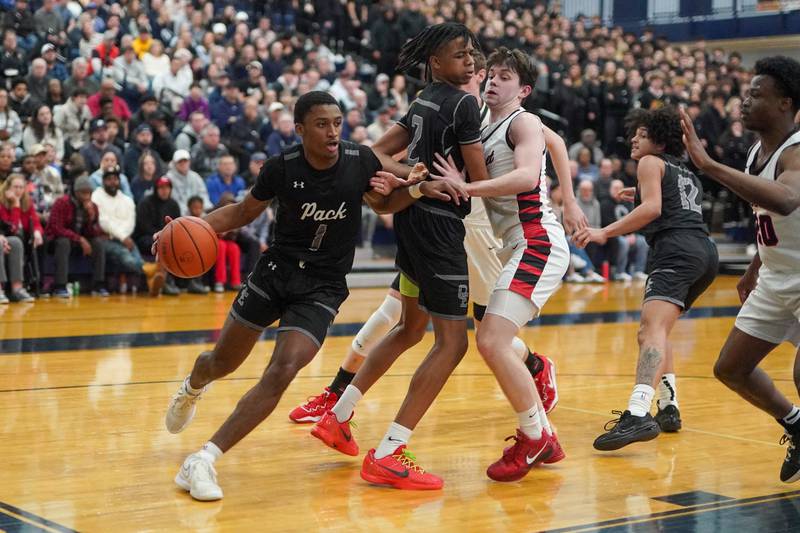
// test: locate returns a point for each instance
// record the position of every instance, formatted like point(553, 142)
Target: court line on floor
point(710, 433)
point(206, 336)
point(677, 513)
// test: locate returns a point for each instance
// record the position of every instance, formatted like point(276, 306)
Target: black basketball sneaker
point(790, 471)
point(669, 419)
point(625, 430)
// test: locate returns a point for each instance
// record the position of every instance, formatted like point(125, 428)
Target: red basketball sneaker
point(545, 382)
point(558, 452)
point(335, 434)
point(518, 459)
point(314, 408)
point(399, 470)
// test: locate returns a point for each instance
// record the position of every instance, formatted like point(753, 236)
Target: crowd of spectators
point(116, 113)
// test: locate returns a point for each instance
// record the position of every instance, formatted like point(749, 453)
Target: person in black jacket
point(244, 136)
point(618, 101)
point(150, 213)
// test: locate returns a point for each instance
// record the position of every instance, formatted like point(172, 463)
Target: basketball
point(187, 247)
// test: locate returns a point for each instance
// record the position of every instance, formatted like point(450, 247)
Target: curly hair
point(786, 73)
point(663, 127)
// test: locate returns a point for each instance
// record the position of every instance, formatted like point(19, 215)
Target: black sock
point(341, 381)
point(533, 363)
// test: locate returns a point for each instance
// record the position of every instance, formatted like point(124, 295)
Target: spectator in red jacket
point(108, 90)
point(74, 226)
point(18, 222)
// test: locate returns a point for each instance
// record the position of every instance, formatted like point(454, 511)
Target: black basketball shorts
point(680, 265)
point(430, 252)
point(280, 289)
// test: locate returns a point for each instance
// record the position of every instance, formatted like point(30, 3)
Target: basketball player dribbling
point(770, 289)
point(320, 185)
point(682, 263)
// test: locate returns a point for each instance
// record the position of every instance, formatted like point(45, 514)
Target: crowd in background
point(116, 113)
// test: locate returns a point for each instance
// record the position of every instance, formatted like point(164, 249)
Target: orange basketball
point(187, 247)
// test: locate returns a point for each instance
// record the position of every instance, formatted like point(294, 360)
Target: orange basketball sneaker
point(399, 470)
point(545, 382)
point(518, 459)
point(314, 408)
point(335, 434)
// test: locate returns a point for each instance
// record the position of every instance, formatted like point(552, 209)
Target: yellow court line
point(710, 433)
point(27, 520)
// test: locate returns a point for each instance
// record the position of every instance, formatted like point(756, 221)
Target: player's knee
point(222, 365)
point(487, 346)
point(281, 372)
point(411, 333)
point(455, 344)
point(727, 373)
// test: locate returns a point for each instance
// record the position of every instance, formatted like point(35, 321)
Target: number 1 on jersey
point(318, 236)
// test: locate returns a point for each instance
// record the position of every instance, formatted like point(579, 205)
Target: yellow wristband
point(414, 191)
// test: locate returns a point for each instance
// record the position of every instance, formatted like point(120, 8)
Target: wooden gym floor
point(84, 385)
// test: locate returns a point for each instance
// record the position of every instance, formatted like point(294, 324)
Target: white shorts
point(484, 265)
point(532, 273)
point(772, 311)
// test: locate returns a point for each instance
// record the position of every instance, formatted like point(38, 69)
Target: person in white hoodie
point(117, 218)
point(186, 182)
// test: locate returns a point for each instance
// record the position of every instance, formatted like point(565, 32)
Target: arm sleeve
point(371, 165)
point(269, 179)
point(405, 121)
point(467, 120)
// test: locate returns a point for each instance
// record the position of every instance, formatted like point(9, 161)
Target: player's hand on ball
point(385, 182)
point(589, 235)
point(418, 174)
point(447, 169)
point(156, 235)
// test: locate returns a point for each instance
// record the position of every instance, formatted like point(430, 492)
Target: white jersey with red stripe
point(513, 217)
point(477, 215)
point(778, 236)
point(535, 252)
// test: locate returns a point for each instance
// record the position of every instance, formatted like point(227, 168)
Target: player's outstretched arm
point(781, 196)
point(529, 145)
point(574, 218)
point(649, 174)
point(401, 198)
point(394, 141)
point(234, 216)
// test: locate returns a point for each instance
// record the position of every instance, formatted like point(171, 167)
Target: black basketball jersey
point(319, 211)
point(681, 194)
point(440, 120)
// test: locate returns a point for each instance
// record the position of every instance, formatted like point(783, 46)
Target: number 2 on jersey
point(416, 125)
point(765, 231)
point(318, 236)
point(689, 199)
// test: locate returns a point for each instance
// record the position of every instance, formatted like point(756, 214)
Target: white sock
point(530, 423)
point(520, 348)
point(189, 389)
point(545, 422)
point(397, 435)
point(378, 325)
point(667, 393)
point(347, 403)
point(793, 417)
point(210, 451)
point(641, 399)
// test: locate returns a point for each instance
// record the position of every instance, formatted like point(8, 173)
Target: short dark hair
point(517, 60)
point(663, 127)
point(194, 199)
point(480, 59)
point(306, 102)
point(786, 73)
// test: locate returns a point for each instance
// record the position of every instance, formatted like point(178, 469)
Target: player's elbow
point(788, 205)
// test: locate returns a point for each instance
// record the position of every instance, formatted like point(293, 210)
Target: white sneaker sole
point(175, 430)
point(310, 419)
point(185, 485)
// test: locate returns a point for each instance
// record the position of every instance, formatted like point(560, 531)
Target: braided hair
point(427, 42)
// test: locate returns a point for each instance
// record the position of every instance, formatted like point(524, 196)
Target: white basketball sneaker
point(182, 408)
point(198, 477)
